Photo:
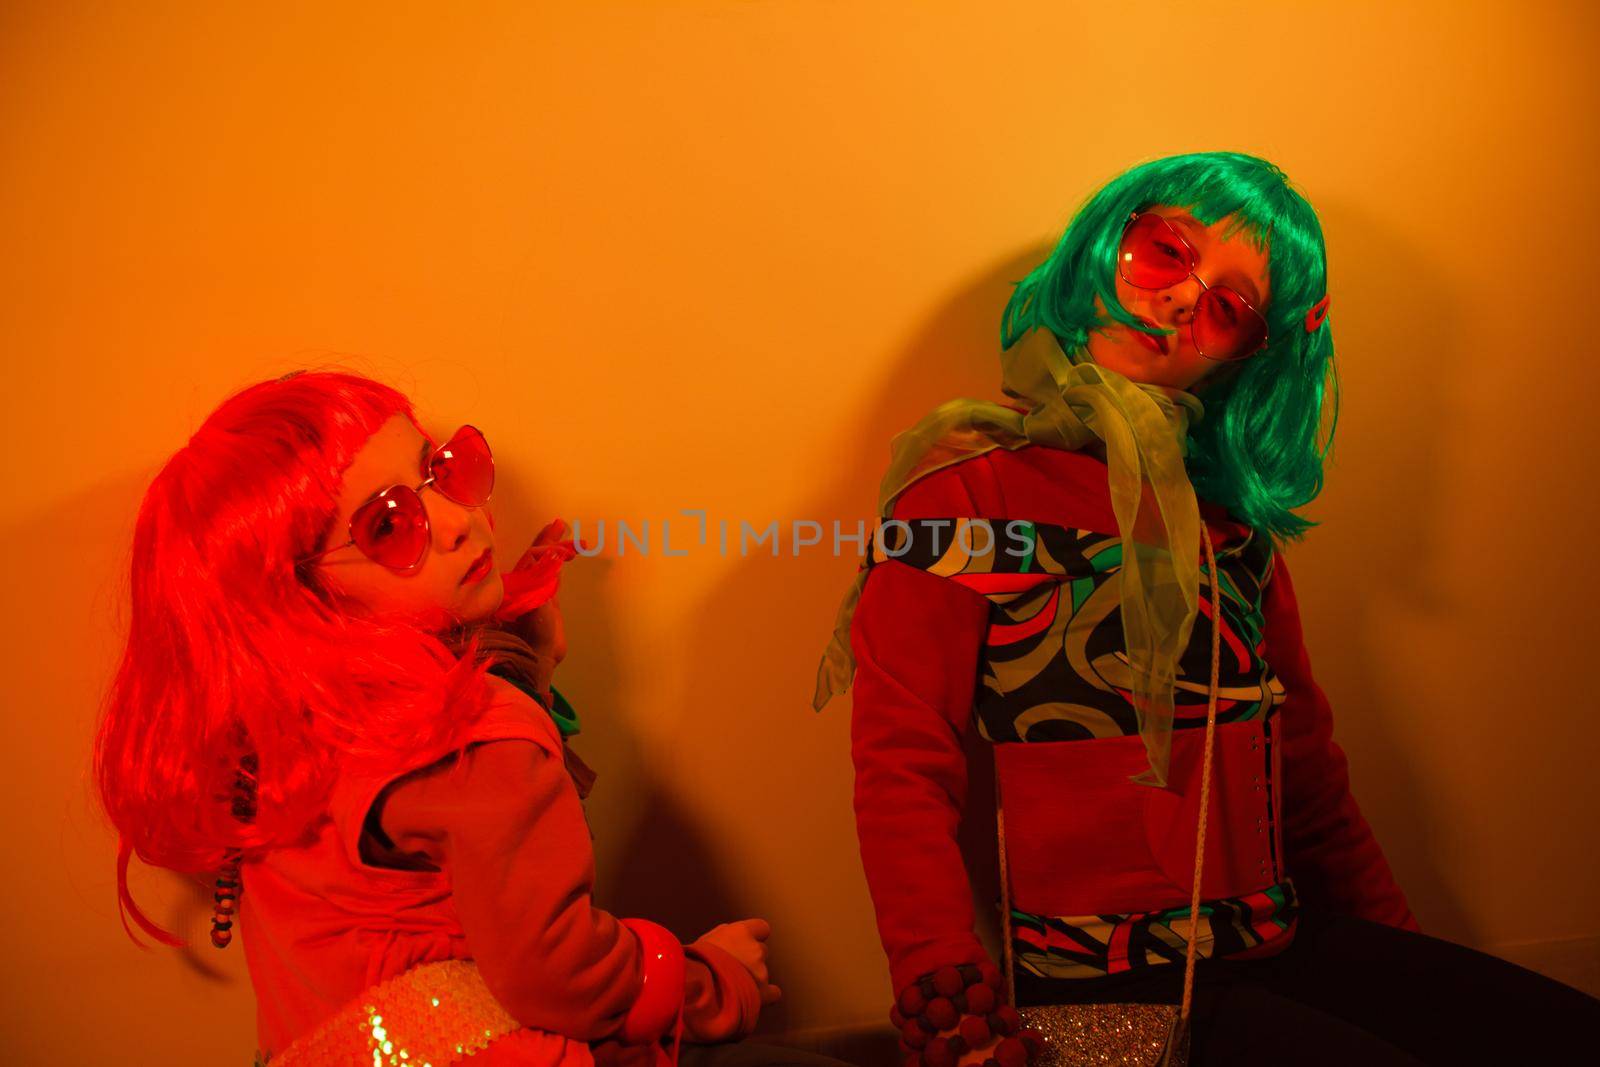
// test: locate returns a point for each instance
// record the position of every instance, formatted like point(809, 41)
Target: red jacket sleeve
point(1328, 847)
point(508, 828)
point(916, 639)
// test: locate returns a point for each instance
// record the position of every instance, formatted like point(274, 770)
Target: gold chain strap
point(1205, 774)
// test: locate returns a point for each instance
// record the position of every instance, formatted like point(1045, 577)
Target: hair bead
point(226, 898)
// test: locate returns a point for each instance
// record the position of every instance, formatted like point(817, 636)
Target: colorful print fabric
point(1092, 946)
point(1054, 665)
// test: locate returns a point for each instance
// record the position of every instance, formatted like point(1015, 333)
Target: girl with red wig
point(332, 696)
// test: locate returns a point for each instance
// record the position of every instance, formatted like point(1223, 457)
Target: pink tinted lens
point(392, 528)
point(463, 468)
point(1152, 255)
point(1225, 326)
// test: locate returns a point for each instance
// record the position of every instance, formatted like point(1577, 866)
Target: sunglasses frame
point(427, 527)
point(1194, 256)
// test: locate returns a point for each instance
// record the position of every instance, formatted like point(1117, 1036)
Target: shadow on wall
point(788, 754)
point(1389, 562)
point(664, 871)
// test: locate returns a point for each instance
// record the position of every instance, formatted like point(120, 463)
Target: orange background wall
point(713, 255)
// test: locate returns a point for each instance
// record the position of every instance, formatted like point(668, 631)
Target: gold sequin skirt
point(432, 1015)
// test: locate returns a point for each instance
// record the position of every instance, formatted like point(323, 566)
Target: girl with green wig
point(1090, 576)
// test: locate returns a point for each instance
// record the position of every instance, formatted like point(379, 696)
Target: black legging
point(1349, 992)
point(750, 1054)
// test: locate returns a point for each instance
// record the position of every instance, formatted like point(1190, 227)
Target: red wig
point(245, 684)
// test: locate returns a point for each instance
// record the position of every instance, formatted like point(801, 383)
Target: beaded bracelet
point(225, 899)
point(965, 999)
point(242, 805)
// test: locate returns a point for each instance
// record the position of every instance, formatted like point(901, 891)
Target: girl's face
point(457, 581)
point(1171, 360)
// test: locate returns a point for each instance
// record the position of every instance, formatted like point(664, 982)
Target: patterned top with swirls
point(1054, 667)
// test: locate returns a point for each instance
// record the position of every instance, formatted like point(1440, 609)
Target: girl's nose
point(1177, 303)
point(451, 522)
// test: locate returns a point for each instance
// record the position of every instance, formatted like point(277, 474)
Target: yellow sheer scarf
point(1158, 519)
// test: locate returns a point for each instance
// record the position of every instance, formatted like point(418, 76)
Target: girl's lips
point(1156, 344)
point(480, 568)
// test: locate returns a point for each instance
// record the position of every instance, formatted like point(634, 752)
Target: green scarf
point(1158, 518)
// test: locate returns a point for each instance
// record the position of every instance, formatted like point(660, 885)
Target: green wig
point(1260, 449)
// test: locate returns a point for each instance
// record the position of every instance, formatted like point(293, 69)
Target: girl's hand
point(746, 941)
point(533, 581)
